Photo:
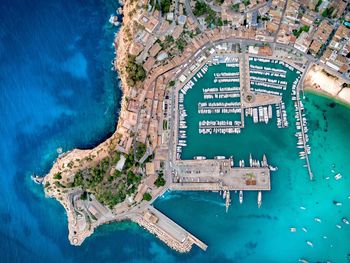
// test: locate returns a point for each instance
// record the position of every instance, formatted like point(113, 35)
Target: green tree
point(58, 176)
point(147, 197)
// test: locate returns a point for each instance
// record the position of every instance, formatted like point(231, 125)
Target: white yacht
point(345, 221)
point(241, 197)
point(337, 176)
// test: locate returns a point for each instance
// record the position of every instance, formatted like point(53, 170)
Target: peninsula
point(194, 72)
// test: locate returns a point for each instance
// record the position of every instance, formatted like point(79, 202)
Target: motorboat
point(338, 226)
point(318, 220)
point(337, 203)
point(293, 229)
point(303, 208)
point(337, 176)
point(345, 221)
point(241, 197)
point(309, 243)
point(304, 229)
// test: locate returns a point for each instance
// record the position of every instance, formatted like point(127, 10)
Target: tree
point(135, 71)
point(160, 181)
point(200, 8)
point(147, 197)
point(57, 176)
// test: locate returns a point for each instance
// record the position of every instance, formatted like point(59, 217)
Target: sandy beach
point(319, 81)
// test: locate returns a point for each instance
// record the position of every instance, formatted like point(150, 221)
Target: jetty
point(167, 230)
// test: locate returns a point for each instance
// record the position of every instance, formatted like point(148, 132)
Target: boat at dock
point(228, 200)
point(241, 197)
point(259, 199)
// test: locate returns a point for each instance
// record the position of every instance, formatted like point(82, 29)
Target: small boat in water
point(337, 203)
point(337, 176)
point(304, 229)
point(309, 243)
point(293, 229)
point(302, 208)
point(37, 179)
point(303, 260)
point(318, 220)
point(241, 197)
point(338, 226)
point(345, 221)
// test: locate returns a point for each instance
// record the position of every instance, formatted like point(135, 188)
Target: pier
point(167, 230)
point(306, 150)
point(217, 175)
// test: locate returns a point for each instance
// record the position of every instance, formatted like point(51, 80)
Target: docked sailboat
point(259, 199)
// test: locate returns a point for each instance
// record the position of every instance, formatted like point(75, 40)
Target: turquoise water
point(57, 90)
point(249, 234)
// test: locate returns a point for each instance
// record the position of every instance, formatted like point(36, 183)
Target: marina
point(221, 102)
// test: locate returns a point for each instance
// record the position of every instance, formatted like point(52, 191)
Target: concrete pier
point(167, 230)
point(216, 175)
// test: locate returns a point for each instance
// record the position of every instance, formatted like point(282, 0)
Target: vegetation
point(165, 6)
point(147, 197)
point(317, 5)
point(169, 40)
point(328, 11)
point(58, 176)
point(135, 71)
point(110, 186)
point(181, 44)
point(172, 83)
point(84, 196)
point(140, 150)
point(211, 19)
point(165, 125)
point(235, 7)
point(246, 2)
point(297, 33)
point(200, 8)
point(219, 2)
point(160, 181)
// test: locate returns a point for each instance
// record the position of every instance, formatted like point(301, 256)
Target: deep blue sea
point(57, 89)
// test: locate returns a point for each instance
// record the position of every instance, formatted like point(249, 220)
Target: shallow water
point(57, 90)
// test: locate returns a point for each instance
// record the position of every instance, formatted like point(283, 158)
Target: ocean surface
point(57, 90)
